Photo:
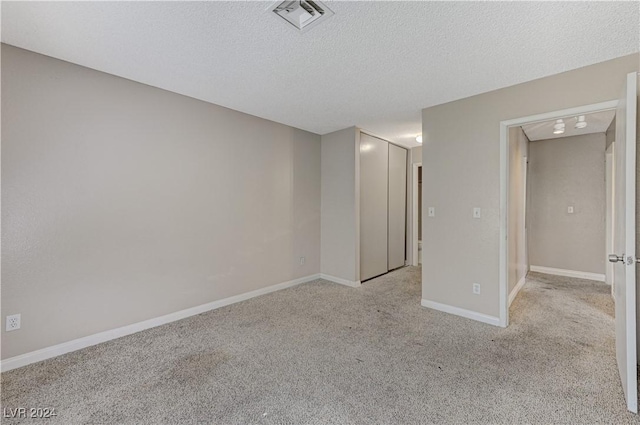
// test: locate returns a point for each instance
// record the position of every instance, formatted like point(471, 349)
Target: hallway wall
point(568, 172)
point(518, 261)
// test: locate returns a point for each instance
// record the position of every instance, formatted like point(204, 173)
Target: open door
point(624, 257)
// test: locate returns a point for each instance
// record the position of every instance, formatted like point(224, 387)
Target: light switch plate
point(570, 210)
point(477, 212)
point(431, 212)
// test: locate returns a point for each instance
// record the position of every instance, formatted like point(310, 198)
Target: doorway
point(624, 234)
point(567, 207)
point(509, 161)
point(416, 226)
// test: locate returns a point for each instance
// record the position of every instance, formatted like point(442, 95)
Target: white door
point(374, 182)
point(397, 219)
point(624, 256)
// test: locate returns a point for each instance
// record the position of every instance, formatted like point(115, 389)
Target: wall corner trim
point(516, 290)
point(484, 318)
point(341, 281)
point(569, 273)
point(90, 340)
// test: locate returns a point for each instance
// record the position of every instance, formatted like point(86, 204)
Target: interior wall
point(564, 172)
point(461, 160)
point(518, 263)
point(122, 202)
point(610, 137)
point(609, 212)
point(339, 247)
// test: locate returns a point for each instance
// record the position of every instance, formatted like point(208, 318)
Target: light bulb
point(419, 139)
point(558, 127)
point(581, 122)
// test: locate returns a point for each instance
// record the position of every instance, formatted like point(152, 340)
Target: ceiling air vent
point(302, 14)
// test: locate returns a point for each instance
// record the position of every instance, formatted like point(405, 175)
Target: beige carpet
point(322, 353)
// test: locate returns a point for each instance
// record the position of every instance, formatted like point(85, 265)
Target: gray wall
point(340, 256)
point(416, 155)
point(564, 172)
point(461, 156)
point(122, 202)
point(518, 262)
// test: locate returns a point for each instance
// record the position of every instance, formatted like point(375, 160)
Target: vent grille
point(302, 14)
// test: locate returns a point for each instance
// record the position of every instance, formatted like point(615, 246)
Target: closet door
point(374, 167)
point(397, 205)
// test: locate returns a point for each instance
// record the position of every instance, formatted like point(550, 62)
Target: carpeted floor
point(322, 353)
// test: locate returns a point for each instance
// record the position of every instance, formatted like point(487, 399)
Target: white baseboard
point(351, 283)
point(568, 273)
point(87, 341)
point(516, 290)
point(484, 318)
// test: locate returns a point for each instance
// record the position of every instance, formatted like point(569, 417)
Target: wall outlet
point(570, 210)
point(477, 212)
point(476, 288)
point(302, 260)
point(13, 322)
point(431, 212)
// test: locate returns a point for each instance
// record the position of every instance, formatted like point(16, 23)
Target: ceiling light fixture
point(419, 138)
point(581, 122)
point(558, 127)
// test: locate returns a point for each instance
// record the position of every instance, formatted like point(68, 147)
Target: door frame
point(525, 217)
point(504, 186)
point(414, 214)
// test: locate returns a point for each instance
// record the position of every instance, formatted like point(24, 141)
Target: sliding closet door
point(397, 205)
point(374, 166)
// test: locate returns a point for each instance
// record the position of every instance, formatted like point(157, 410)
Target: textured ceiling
point(373, 64)
point(597, 122)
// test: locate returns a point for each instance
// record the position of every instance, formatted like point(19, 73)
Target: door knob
point(613, 258)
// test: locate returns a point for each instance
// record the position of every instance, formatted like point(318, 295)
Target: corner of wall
point(339, 203)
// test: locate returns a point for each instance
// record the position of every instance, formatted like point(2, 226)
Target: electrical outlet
point(476, 288)
point(13, 322)
point(302, 260)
